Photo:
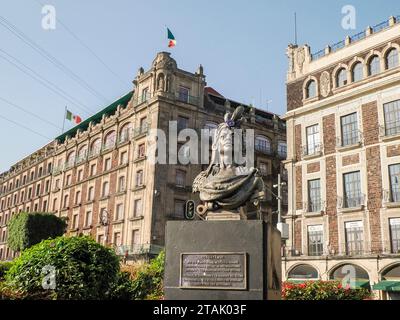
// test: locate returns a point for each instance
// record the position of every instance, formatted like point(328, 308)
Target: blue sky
point(241, 45)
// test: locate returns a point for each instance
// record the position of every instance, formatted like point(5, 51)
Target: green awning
point(387, 285)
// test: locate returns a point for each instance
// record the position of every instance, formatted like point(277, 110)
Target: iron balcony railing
point(317, 206)
point(263, 149)
point(389, 196)
point(355, 200)
point(138, 249)
point(380, 26)
point(390, 129)
point(349, 139)
point(142, 99)
point(310, 150)
point(187, 98)
point(344, 249)
point(317, 55)
point(140, 130)
point(337, 46)
point(357, 37)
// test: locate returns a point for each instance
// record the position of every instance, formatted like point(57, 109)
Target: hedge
point(28, 229)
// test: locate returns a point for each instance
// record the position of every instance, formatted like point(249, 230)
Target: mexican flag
point(171, 39)
point(73, 117)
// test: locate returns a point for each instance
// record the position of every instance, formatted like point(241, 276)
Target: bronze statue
point(226, 185)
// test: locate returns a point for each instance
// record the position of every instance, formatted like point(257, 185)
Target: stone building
point(99, 176)
point(343, 131)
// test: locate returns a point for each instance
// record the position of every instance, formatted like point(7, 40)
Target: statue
point(226, 185)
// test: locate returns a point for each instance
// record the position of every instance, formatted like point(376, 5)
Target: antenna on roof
point(295, 28)
point(268, 102)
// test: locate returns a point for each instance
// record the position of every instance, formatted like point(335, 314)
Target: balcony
point(138, 249)
point(142, 99)
point(263, 149)
point(141, 130)
point(187, 98)
point(317, 207)
point(351, 202)
point(312, 151)
point(349, 140)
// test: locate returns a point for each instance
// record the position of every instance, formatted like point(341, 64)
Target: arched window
point(374, 66)
point(282, 149)
point(90, 195)
point(303, 272)
point(82, 153)
point(125, 132)
point(392, 59)
point(66, 201)
point(357, 72)
point(105, 189)
point(352, 274)
point(71, 159)
point(95, 147)
point(40, 172)
point(341, 78)
point(263, 144)
point(311, 89)
point(109, 140)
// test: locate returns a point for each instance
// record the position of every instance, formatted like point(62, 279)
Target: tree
point(28, 229)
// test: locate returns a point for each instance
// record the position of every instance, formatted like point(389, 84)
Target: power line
point(26, 128)
point(51, 86)
point(28, 112)
point(18, 33)
point(86, 46)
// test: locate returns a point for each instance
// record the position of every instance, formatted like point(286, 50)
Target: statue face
point(225, 140)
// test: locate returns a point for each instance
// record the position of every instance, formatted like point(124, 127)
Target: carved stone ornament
point(300, 57)
point(325, 84)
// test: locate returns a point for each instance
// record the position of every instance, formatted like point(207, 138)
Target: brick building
point(343, 131)
point(100, 167)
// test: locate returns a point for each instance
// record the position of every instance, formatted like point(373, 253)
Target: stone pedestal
point(222, 260)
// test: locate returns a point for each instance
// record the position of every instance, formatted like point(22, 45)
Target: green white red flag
point(171, 39)
point(73, 117)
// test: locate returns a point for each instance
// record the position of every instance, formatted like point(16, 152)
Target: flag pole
point(65, 115)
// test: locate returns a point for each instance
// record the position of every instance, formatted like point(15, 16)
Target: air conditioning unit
point(284, 229)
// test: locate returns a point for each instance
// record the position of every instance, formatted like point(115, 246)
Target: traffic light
point(190, 210)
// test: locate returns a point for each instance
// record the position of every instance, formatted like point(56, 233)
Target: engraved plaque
point(219, 271)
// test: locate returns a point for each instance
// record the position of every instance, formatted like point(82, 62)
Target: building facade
point(98, 174)
point(343, 131)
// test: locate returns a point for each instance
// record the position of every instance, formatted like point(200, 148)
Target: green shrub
point(4, 267)
point(122, 288)
point(148, 281)
point(28, 229)
point(322, 290)
point(83, 268)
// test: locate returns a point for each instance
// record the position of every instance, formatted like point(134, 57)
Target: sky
point(98, 46)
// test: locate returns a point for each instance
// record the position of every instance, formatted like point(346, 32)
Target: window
point(107, 164)
point(354, 237)
point(77, 197)
point(145, 95)
point(211, 126)
point(75, 221)
point(55, 204)
point(29, 193)
point(179, 209)
point(17, 183)
point(47, 186)
point(141, 150)
point(183, 94)
point(180, 178)
point(394, 173)
point(395, 234)
point(90, 196)
point(70, 160)
point(125, 132)
point(117, 238)
point(263, 168)
point(143, 125)
point(392, 117)
point(80, 175)
point(352, 190)
point(93, 170)
point(392, 59)
point(105, 189)
point(350, 134)
point(37, 190)
point(119, 212)
point(182, 123)
point(303, 272)
point(66, 200)
point(88, 218)
point(123, 158)
point(68, 180)
point(357, 72)
point(315, 240)
point(32, 175)
point(314, 195)
point(282, 149)
point(49, 167)
point(139, 178)
point(135, 238)
point(263, 144)
point(137, 208)
point(100, 239)
point(341, 78)
point(82, 153)
point(121, 184)
point(374, 66)
point(109, 140)
point(95, 147)
point(311, 89)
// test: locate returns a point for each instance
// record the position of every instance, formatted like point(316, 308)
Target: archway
point(350, 275)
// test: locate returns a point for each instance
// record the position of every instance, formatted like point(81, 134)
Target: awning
point(387, 285)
